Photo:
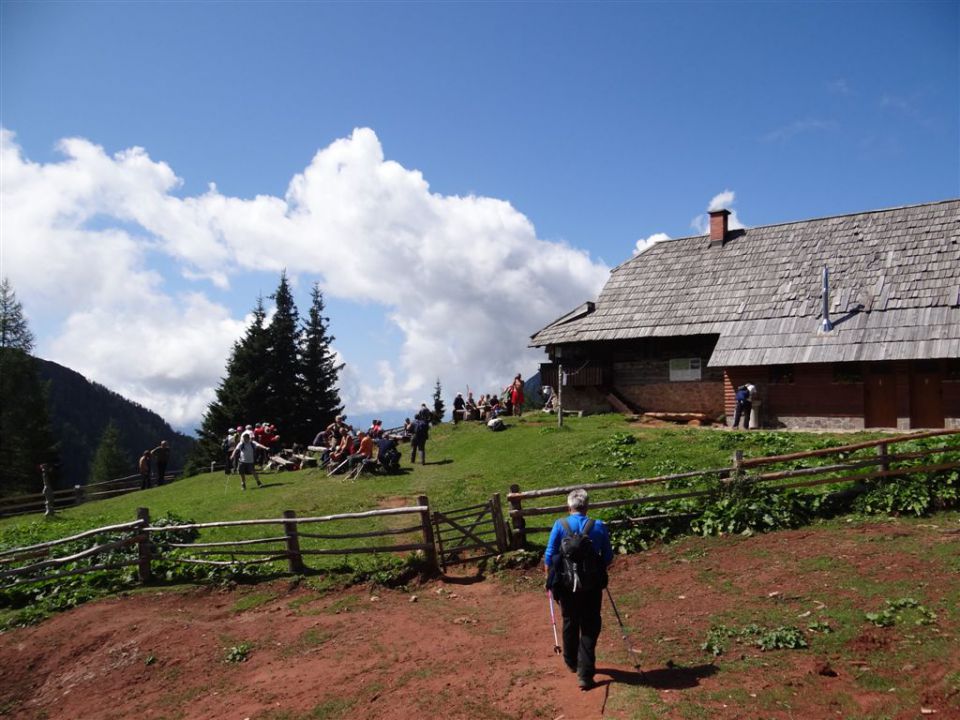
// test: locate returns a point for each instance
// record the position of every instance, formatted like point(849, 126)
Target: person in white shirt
point(246, 451)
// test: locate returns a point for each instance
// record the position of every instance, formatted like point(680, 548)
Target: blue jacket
point(599, 536)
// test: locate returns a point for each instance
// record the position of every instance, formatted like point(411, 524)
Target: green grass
point(253, 600)
point(466, 464)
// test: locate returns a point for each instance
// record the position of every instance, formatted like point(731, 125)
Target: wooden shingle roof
point(894, 291)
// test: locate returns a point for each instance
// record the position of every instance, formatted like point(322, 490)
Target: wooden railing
point(77, 495)
point(744, 470)
point(291, 545)
point(40, 560)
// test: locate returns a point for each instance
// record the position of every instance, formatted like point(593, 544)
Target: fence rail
point(70, 497)
point(840, 471)
point(38, 560)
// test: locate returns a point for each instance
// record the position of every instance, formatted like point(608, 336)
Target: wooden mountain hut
point(848, 322)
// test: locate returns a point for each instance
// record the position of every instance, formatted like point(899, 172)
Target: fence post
point(78, 494)
point(498, 526)
point(48, 497)
point(143, 547)
point(737, 465)
point(882, 455)
point(427, 527)
point(294, 558)
point(519, 524)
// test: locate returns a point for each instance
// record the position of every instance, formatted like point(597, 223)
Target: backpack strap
point(584, 531)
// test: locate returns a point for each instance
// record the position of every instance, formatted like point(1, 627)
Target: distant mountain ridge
point(79, 413)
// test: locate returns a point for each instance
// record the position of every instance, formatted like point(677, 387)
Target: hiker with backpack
point(745, 396)
point(418, 441)
point(576, 560)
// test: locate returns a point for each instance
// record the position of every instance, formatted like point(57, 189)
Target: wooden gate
point(470, 534)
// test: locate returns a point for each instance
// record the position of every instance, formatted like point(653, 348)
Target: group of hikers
point(489, 407)
point(343, 449)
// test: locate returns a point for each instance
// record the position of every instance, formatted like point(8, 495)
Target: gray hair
point(577, 500)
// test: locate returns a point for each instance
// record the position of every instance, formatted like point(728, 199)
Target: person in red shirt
point(516, 395)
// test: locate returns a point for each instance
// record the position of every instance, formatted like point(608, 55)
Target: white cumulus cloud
point(464, 278)
point(648, 242)
point(721, 201)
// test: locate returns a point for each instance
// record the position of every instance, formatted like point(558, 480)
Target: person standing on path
point(580, 599)
point(161, 454)
point(246, 450)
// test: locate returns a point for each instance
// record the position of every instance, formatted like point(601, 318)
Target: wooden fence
point(290, 543)
point(296, 537)
point(42, 564)
point(77, 495)
point(841, 470)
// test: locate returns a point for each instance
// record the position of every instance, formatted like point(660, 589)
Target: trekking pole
point(553, 623)
point(623, 633)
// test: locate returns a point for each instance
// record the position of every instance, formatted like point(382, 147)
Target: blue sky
point(508, 155)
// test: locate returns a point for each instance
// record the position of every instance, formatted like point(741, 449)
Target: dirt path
point(484, 649)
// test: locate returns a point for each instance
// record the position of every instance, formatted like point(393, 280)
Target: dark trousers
point(743, 408)
point(581, 628)
point(420, 445)
point(161, 471)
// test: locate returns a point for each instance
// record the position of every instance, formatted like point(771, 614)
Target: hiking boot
point(585, 683)
point(259, 484)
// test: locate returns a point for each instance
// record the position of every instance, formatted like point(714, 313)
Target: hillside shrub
point(918, 494)
point(635, 536)
point(745, 507)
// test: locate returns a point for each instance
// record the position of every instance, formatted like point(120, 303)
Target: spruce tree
point(110, 461)
point(282, 368)
point(14, 331)
point(26, 439)
point(437, 404)
point(241, 396)
point(319, 396)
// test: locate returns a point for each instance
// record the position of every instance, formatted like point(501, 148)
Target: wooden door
point(926, 398)
point(880, 397)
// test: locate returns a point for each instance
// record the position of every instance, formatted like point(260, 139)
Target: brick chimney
point(718, 227)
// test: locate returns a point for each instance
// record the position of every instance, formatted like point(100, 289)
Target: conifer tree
point(241, 396)
point(437, 404)
point(110, 461)
point(282, 367)
point(14, 331)
point(26, 439)
point(319, 371)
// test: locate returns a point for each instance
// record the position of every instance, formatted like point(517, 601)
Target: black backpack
point(581, 569)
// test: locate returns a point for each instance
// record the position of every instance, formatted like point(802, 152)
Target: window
point(781, 374)
point(682, 369)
